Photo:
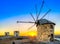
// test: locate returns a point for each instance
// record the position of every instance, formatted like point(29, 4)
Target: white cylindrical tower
point(16, 33)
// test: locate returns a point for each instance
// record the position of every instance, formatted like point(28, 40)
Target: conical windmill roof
point(45, 21)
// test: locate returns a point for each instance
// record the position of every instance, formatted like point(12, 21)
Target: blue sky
point(13, 10)
point(9, 8)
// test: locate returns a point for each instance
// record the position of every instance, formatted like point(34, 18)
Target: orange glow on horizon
point(32, 34)
point(29, 33)
point(57, 33)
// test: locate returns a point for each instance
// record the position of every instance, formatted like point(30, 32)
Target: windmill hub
point(37, 22)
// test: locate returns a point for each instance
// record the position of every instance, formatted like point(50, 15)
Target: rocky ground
point(22, 42)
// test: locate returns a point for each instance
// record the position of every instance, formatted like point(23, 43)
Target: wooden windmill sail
point(45, 28)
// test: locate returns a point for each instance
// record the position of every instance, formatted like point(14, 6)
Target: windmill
point(45, 28)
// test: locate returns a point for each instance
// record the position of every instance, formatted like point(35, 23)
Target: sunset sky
point(13, 10)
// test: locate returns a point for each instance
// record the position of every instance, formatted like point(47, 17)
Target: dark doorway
point(13, 42)
point(52, 37)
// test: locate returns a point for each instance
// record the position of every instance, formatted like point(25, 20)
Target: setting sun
point(32, 34)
